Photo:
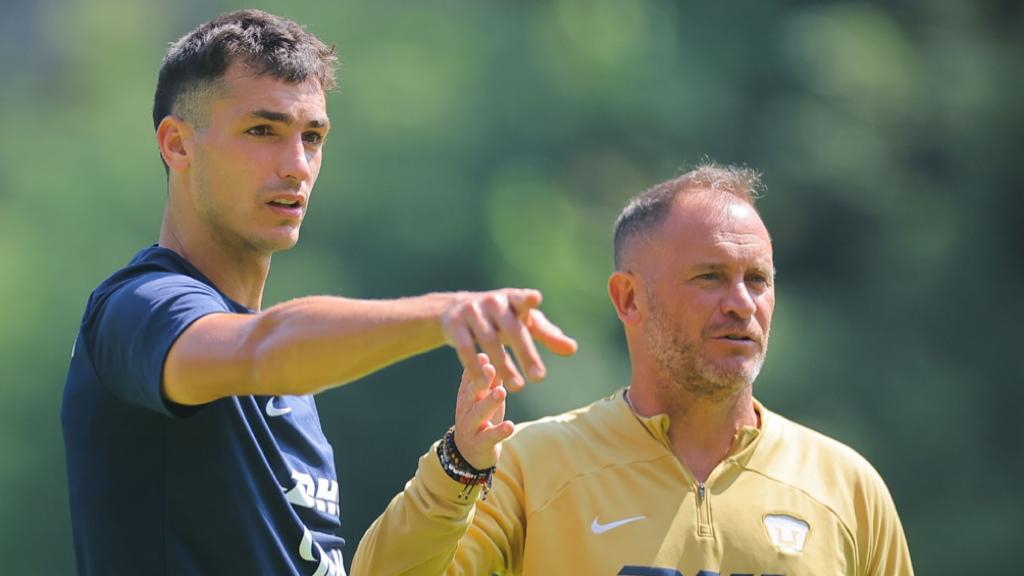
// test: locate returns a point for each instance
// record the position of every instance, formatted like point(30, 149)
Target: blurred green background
point(488, 144)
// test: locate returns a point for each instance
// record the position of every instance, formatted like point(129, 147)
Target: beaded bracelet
point(459, 469)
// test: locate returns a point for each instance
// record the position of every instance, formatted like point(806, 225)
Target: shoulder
point(159, 285)
point(154, 276)
point(157, 293)
point(549, 455)
point(590, 427)
point(830, 472)
point(155, 268)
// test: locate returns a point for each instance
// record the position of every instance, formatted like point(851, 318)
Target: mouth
point(287, 201)
point(287, 204)
point(738, 338)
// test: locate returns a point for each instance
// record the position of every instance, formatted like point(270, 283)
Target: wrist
point(435, 307)
point(425, 316)
point(459, 469)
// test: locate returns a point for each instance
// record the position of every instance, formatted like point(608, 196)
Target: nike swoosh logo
point(273, 411)
point(598, 528)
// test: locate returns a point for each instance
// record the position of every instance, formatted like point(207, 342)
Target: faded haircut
point(646, 211)
point(194, 67)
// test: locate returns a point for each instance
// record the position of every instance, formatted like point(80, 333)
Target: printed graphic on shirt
point(330, 564)
point(321, 493)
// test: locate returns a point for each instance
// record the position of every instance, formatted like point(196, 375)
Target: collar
point(743, 443)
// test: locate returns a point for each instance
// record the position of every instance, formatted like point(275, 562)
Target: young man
point(683, 472)
point(193, 443)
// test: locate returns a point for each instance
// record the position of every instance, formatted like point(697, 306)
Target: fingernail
point(536, 372)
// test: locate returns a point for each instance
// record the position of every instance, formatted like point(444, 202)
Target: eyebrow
point(718, 267)
point(285, 118)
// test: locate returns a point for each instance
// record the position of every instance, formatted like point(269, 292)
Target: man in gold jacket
point(683, 472)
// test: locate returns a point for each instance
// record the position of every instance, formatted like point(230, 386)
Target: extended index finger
point(550, 335)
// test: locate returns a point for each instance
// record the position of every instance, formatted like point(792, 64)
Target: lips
point(739, 337)
point(287, 205)
point(287, 200)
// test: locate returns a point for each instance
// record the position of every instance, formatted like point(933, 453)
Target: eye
point(710, 276)
point(313, 138)
point(759, 279)
point(261, 130)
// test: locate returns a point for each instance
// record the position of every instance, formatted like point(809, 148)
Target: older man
point(683, 472)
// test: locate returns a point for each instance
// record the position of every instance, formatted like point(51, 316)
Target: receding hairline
point(683, 201)
point(646, 212)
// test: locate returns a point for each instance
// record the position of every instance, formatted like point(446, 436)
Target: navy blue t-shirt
point(242, 485)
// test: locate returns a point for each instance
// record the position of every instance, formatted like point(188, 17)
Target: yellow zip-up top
point(599, 491)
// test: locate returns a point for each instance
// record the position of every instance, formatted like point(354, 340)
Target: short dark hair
point(265, 43)
point(647, 210)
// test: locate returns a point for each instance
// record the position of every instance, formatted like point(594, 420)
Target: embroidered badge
point(789, 534)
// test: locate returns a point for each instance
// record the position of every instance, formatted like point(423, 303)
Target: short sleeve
point(135, 328)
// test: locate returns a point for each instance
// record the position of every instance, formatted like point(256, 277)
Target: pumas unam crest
point(789, 534)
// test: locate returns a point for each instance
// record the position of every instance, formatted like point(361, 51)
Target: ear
point(173, 136)
point(623, 288)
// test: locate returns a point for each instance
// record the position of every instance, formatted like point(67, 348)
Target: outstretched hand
point(480, 424)
point(499, 318)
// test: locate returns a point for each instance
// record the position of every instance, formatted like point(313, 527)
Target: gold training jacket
point(599, 491)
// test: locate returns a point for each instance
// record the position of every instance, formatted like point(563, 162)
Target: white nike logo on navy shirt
point(273, 411)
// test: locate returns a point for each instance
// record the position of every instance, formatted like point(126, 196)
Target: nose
point(738, 301)
point(296, 161)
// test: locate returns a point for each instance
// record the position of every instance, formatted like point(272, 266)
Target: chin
point(281, 242)
point(749, 373)
point(735, 373)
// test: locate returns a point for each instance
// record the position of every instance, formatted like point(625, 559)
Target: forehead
point(711, 228)
point(242, 92)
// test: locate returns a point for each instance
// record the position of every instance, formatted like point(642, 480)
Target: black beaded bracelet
point(459, 469)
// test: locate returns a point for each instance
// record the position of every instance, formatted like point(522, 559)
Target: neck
point(238, 273)
point(702, 430)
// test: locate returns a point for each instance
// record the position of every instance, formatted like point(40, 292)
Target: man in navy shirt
point(193, 443)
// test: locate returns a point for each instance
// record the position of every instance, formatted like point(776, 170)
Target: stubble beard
point(216, 218)
point(684, 370)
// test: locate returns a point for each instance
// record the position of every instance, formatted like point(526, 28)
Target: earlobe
point(622, 289)
point(171, 136)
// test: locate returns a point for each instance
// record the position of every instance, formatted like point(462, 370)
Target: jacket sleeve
point(433, 527)
point(882, 545)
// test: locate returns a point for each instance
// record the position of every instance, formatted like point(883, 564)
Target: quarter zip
point(704, 527)
point(657, 426)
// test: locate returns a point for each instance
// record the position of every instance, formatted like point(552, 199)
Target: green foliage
point(480, 145)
